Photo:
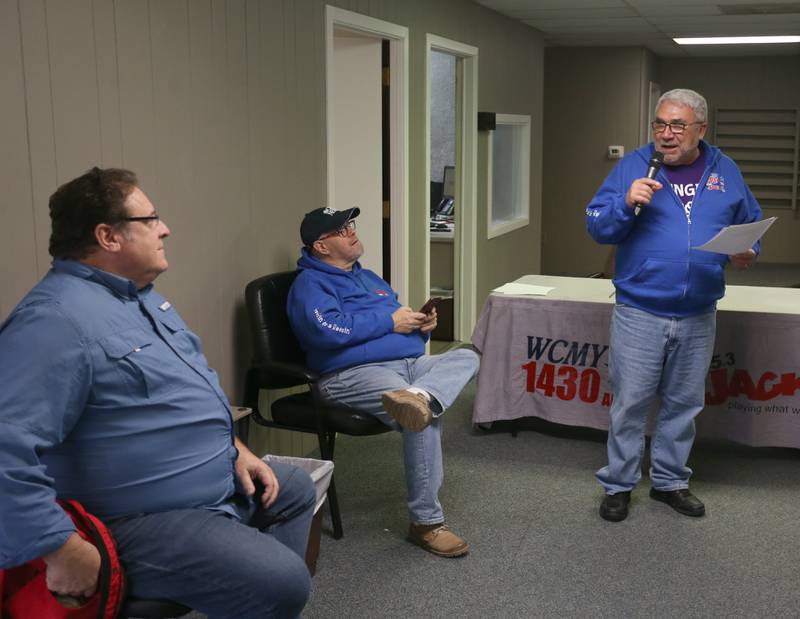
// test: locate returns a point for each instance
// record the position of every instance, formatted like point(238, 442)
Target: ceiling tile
point(515, 5)
point(688, 29)
point(672, 10)
point(623, 24)
point(650, 23)
point(754, 22)
point(716, 51)
point(572, 13)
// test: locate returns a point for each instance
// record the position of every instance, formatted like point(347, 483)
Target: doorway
point(443, 206)
point(360, 162)
point(451, 154)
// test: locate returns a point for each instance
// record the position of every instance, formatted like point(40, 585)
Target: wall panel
point(592, 100)
point(136, 92)
point(219, 107)
point(40, 125)
point(17, 232)
point(173, 157)
point(108, 96)
point(73, 80)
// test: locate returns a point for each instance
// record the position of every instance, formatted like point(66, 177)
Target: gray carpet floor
point(528, 506)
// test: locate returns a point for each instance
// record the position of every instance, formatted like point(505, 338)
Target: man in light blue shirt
point(106, 397)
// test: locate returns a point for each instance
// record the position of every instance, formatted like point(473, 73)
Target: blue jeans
point(211, 562)
point(652, 355)
point(443, 376)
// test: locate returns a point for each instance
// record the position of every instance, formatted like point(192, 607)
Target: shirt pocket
point(183, 339)
point(143, 363)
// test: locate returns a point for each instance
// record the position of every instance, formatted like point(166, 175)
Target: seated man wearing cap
point(370, 352)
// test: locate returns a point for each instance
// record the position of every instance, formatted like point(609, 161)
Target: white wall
point(357, 139)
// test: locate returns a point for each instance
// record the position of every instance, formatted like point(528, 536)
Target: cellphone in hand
point(430, 304)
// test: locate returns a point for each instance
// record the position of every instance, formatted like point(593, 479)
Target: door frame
point(398, 127)
point(466, 229)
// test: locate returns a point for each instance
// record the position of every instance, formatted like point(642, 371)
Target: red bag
point(23, 589)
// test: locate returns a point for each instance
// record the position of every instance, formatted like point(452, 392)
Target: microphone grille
point(657, 159)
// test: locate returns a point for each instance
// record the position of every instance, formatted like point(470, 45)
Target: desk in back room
point(547, 356)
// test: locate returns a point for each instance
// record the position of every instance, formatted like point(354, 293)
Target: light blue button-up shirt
point(105, 397)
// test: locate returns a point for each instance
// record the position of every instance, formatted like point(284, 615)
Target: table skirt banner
point(549, 358)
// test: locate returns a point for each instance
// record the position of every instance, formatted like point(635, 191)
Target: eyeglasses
point(346, 230)
point(659, 126)
point(145, 218)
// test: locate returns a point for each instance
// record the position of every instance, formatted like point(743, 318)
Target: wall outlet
point(616, 152)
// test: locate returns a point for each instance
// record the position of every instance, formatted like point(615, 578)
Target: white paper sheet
point(516, 288)
point(738, 238)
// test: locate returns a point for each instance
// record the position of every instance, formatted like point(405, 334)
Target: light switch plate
point(616, 152)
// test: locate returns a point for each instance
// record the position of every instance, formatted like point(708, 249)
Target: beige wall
point(593, 99)
point(219, 107)
point(764, 82)
point(511, 81)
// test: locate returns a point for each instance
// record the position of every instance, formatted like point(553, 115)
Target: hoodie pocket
point(657, 282)
point(706, 282)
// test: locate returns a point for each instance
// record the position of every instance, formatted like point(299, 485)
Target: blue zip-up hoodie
point(344, 318)
point(656, 269)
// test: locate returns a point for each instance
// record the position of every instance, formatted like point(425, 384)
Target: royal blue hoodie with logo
point(344, 318)
point(656, 269)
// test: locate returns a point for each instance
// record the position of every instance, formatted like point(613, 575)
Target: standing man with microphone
point(664, 322)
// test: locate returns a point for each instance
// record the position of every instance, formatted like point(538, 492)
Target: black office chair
point(278, 363)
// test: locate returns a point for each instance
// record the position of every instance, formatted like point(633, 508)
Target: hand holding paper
point(743, 260)
point(738, 238)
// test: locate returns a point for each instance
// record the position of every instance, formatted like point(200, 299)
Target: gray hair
point(688, 98)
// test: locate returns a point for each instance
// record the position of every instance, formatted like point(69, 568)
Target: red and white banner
point(549, 358)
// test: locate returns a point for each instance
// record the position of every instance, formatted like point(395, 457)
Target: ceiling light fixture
point(736, 40)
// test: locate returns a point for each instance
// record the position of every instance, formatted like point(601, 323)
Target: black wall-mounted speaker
point(486, 121)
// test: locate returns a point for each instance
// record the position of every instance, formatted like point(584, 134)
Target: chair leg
point(336, 516)
point(251, 390)
point(327, 443)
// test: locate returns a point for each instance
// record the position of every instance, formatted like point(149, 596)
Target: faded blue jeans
point(443, 376)
point(652, 355)
point(214, 563)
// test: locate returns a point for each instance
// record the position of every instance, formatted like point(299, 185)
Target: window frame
point(521, 123)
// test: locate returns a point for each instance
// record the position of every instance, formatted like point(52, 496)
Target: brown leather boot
point(438, 539)
point(409, 409)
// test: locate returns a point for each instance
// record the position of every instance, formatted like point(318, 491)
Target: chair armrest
point(290, 370)
point(240, 412)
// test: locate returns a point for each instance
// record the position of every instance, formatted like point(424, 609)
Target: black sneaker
point(615, 506)
point(682, 501)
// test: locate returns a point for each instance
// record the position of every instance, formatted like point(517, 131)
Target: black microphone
point(654, 165)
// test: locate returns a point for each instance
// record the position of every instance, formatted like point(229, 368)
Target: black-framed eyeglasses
point(145, 218)
point(659, 126)
point(345, 230)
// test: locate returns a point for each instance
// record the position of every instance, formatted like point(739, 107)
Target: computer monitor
point(449, 181)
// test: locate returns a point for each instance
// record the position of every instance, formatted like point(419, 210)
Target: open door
point(360, 162)
point(452, 230)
